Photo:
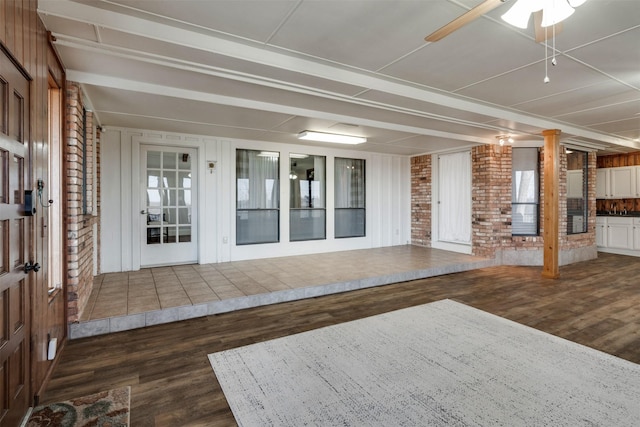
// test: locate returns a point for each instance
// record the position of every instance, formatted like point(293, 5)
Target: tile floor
point(127, 300)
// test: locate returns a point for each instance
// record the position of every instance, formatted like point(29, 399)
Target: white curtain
point(258, 183)
point(258, 197)
point(454, 184)
point(349, 183)
point(318, 193)
point(349, 197)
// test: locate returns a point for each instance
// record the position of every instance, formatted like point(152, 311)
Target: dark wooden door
point(15, 242)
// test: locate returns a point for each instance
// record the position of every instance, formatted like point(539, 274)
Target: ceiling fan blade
point(540, 33)
point(464, 19)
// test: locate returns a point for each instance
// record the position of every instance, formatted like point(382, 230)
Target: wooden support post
point(551, 204)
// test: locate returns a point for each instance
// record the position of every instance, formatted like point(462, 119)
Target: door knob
point(31, 266)
point(143, 212)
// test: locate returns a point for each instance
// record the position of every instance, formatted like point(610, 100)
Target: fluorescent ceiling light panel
point(331, 137)
point(268, 154)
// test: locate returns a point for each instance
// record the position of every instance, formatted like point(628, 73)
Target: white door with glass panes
point(168, 203)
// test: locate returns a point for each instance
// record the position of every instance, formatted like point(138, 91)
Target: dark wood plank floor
point(595, 303)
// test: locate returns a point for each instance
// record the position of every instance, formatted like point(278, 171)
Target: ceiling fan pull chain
point(546, 58)
point(553, 59)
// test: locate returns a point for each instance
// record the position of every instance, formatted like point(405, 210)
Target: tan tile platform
point(129, 300)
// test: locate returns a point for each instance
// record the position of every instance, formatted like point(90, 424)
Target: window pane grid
point(168, 197)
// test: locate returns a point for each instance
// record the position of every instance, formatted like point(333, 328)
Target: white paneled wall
point(388, 187)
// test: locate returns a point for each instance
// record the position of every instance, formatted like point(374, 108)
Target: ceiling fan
point(546, 13)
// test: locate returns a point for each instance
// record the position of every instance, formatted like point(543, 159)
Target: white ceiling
point(268, 69)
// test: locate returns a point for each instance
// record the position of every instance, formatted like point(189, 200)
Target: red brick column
point(79, 218)
point(491, 199)
point(421, 200)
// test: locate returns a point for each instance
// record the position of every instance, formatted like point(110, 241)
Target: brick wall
point(421, 201)
point(491, 199)
point(80, 221)
point(491, 204)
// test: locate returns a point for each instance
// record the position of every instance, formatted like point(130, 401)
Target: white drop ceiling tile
point(525, 84)
point(359, 33)
point(472, 54)
point(169, 108)
point(190, 57)
point(382, 149)
point(585, 98)
point(75, 59)
point(251, 19)
point(632, 134)
point(617, 56)
point(605, 114)
point(412, 104)
point(298, 124)
point(518, 129)
point(628, 125)
point(597, 19)
point(114, 119)
point(426, 143)
point(80, 30)
point(395, 150)
point(235, 91)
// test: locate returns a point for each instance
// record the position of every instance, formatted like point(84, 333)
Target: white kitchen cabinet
point(574, 184)
point(601, 232)
point(602, 183)
point(617, 183)
point(622, 182)
point(636, 233)
point(619, 233)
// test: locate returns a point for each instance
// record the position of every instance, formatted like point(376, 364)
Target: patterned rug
point(104, 409)
point(437, 364)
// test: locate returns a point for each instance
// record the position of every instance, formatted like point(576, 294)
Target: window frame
point(309, 210)
point(363, 198)
point(248, 211)
point(536, 204)
point(585, 193)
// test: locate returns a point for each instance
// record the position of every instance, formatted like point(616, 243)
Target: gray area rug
point(438, 364)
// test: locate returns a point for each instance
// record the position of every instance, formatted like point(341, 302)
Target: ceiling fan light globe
point(520, 13)
point(576, 3)
point(555, 11)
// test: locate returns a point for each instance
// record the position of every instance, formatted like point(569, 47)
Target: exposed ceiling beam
point(212, 42)
point(163, 90)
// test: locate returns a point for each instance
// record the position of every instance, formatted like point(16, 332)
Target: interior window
point(257, 197)
point(349, 197)
point(577, 191)
point(525, 192)
point(307, 213)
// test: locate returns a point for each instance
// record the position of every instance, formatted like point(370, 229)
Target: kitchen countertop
point(632, 214)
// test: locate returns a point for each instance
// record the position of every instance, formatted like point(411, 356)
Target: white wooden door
point(168, 200)
point(454, 198)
